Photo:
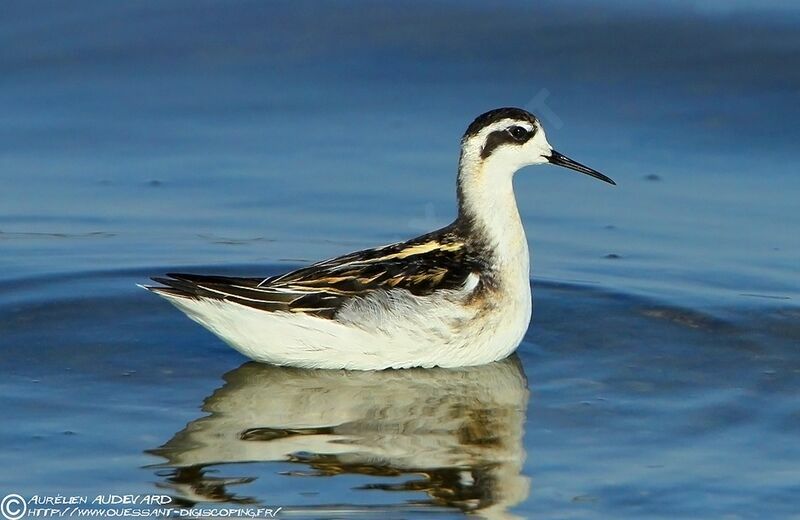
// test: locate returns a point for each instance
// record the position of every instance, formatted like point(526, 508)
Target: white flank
point(387, 329)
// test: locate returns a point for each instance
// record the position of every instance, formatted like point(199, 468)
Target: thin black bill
point(562, 160)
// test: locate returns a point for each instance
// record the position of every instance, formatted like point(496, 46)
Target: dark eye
point(519, 133)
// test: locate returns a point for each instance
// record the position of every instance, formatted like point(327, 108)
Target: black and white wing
point(422, 266)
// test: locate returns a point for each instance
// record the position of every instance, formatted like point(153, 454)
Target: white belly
point(396, 330)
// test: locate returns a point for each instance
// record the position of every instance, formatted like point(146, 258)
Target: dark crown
point(498, 114)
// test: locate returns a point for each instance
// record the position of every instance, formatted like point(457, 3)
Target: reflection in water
point(455, 433)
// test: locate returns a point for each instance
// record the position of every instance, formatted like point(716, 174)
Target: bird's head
point(507, 139)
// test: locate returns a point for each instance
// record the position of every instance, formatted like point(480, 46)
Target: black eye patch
point(511, 135)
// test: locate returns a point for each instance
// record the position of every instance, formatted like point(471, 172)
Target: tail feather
point(173, 286)
point(221, 288)
point(249, 292)
point(202, 278)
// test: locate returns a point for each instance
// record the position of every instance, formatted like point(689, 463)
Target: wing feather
point(438, 261)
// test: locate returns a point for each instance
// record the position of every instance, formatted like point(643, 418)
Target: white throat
point(486, 199)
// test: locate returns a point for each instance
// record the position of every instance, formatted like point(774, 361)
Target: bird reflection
point(454, 434)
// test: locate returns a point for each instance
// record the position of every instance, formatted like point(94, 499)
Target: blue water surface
point(659, 376)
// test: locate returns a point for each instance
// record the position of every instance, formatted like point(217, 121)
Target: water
point(658, 379)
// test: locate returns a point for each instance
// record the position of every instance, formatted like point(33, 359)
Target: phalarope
point(457, 296)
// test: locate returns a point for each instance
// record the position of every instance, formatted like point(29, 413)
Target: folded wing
point(434, 262)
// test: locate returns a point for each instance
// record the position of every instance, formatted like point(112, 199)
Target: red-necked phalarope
point(458, 296)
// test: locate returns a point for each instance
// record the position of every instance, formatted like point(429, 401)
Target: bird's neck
point(488, 210)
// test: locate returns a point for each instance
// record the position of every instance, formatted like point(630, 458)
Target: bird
point(458, 296)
